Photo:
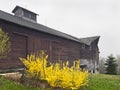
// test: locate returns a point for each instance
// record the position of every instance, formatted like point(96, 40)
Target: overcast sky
point(79, 18)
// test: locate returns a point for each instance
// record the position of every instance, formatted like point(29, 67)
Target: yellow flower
point(55, 74)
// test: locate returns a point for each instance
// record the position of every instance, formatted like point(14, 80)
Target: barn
point(27, 36)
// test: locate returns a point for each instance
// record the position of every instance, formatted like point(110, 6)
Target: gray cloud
point(80, 18)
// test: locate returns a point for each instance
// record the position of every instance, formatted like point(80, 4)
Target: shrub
point(4, 44)
point(57, 75)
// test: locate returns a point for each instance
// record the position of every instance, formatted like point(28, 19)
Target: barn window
point(83, 46)
point(33, 16)
point(90, 48)
point(26, 14)
point(29, 15)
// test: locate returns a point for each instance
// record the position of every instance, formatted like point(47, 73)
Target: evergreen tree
point(4, 44)
point(111, 65)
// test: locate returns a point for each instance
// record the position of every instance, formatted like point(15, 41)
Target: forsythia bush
point(56, 75)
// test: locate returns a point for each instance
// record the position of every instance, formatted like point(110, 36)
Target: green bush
point(4, 44)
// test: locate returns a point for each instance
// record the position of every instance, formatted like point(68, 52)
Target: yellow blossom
point(55, 74)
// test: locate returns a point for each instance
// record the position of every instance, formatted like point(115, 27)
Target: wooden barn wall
point(25, 41)
point(85, 52)
point(57, 48)
point(91, 53)
point(95, 53)
point(18, 46)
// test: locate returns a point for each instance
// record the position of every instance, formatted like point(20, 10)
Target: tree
point(4, 44)
point(102, 65)
point(118, 62)
point(111, 65)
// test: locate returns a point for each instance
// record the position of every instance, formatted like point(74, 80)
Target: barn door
point(19, 46)
point(18, 49)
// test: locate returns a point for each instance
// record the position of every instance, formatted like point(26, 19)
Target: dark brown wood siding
point(18, 49)
point(25, 41)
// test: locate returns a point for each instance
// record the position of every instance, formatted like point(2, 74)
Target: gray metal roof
point(22, 22)
point(89, 40)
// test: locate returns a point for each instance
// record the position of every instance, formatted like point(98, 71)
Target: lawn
point(97, 82)
point(10, 85)
point(104, 82)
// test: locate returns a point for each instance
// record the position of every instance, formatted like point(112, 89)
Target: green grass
point(97, 82)
point(104, 82)
point(10, 85)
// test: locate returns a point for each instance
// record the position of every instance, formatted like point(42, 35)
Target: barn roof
point(22, 22)
point(89, 40)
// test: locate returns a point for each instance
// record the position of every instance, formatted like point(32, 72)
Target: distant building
point(27, 36)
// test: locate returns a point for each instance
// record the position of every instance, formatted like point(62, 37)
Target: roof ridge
point(89, 37)
point(36, 26)
point(89, 40)
point(39, 27)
